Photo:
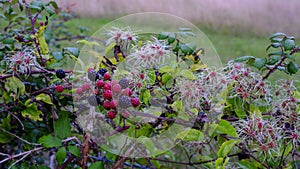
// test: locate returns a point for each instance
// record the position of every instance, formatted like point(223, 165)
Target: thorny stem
point(283, 57)
point(33, 21)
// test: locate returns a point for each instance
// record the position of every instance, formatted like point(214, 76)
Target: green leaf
point(288, 149)
point(53, 3)
point(226, 128)
point(16, 85)
point(275, 53)
point(9, 41)
point(226, 147)
point(163, 35)
point(259, 62)
point(188, 48)
point(273, 59)
point(147, 142)
point(63, 127)
point(190, 135)
point(219, 163)
point(146, 96)
point(171, 38)
point(166, 69)
point(240, 112)
point(292, 68)
point(74, 150)
point(49, 141)
point(244, 164)
point(110, 47)
point(275, 35)
point(72, 50)
point(5, 124)
point(49, 10)
point(32, 112)
point(177, 106)
point(243, 58)
point(165, 78)
point(57, 55)
point(188, 74)
point(288, 44)
point(61, 155)
point(44, 97)
point(97, 165)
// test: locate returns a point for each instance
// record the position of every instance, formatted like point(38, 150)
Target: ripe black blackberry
point(102, 71)
point(124, 102)
point(93, 75)
point(94, 100)
point(124, 83)
point(60, 73)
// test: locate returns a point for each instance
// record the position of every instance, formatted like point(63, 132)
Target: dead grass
point(241, 16)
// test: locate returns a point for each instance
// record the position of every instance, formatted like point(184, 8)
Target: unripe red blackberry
point(114, 104)
point(107, 86)
point(111, 114)
point(106, 76)
point(106, 105)
point(79, 90)
point(135, 102)
point(124, 102)
point(60, 73)
point(124, 82)
point(59, 88)
point(127, 92)
point(100, 83)
point(86, 86)
point(116, 88)
point(107, 94)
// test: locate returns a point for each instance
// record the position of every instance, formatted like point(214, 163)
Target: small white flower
point(150, 55)
point(22, 61)
point(122, 36)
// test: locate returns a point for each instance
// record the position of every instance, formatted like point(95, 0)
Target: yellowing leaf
point(190, 135)
point(41, 40)
point(196, 67)
point(32, 112)
point(226, 147)
point(44, 97)
point(15, 85)
point(188, 74)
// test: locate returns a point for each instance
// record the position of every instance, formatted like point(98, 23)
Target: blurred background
point(235, 27)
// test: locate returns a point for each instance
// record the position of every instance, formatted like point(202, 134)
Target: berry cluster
point(108, 93)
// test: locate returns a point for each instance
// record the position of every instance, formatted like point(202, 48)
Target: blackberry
point(124, 82)
point(124, 101)
point(102, 71)
point(94, 100)
point(60, 73)
point(93, 75)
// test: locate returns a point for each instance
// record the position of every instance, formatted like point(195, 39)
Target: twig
point(85, 151)
point(21, 154)
point(189, 163)
point(283, 57)
point(18, 160)
point(25, 141)
point(64, 165)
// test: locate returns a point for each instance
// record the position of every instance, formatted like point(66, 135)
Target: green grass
point(227, 45)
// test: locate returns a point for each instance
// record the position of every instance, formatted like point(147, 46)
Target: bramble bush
point(53, 117)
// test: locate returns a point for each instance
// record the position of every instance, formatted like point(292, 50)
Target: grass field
point(227, 45)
